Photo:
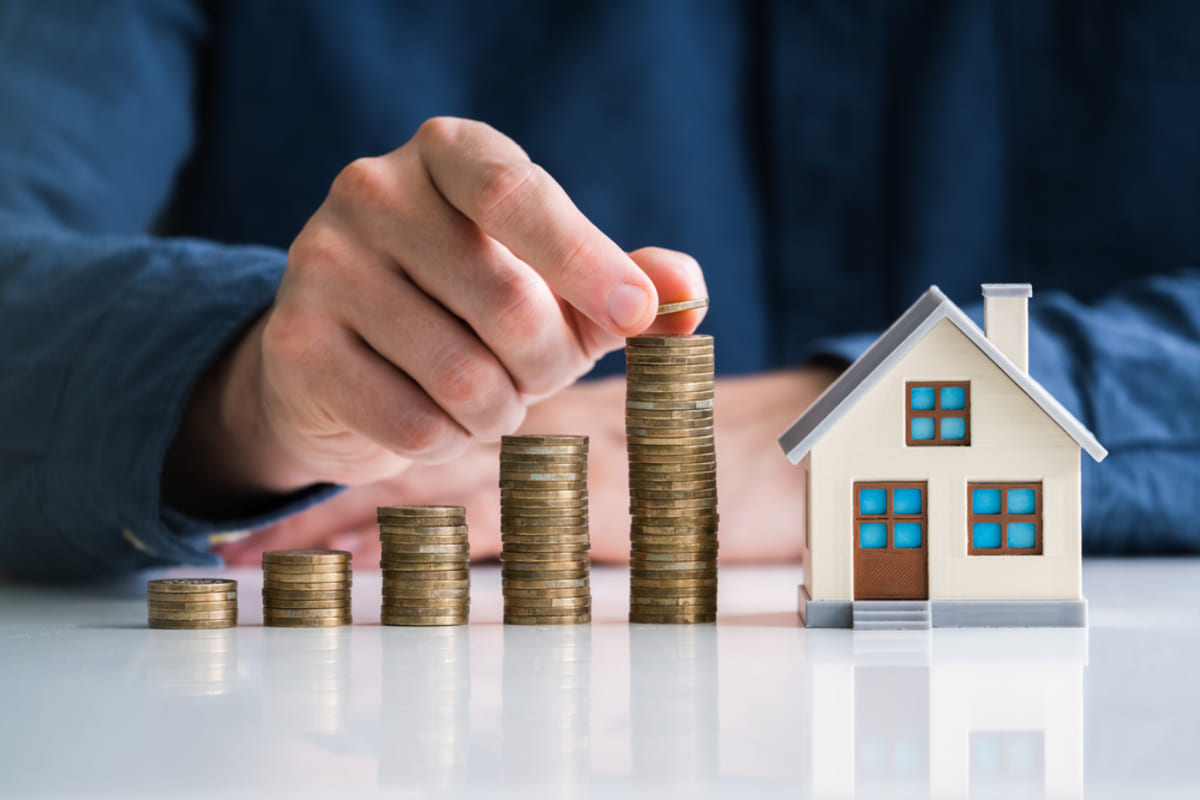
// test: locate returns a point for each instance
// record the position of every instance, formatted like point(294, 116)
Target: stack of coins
point(306, 588)
point(192, 603)
point(425, 563)
point(544, 530)
point(672, 479)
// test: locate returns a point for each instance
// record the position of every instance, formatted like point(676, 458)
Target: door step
point(892, 615)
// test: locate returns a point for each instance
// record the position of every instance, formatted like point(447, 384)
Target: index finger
point(488, 178)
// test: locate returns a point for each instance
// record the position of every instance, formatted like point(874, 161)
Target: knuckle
point(316, 248)
point(462, 378)
point(516, 310)
point(579, 261)
point(439, 130)
point(424, 431)
point(288, 337)
point(364, 181)
point(501, 189)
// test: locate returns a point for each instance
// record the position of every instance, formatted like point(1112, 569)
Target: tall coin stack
point(426, 562)
point(672, 479)
point(306, 588)
point(544, 530)
point(192, 603)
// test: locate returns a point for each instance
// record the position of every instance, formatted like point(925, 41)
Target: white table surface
point(94, 704)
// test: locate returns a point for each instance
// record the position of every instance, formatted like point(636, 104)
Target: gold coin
point(575, 591)
point(435, 548)
point(422, 570)
point(699, 457)
point(679, 618)
point(424, 591)
point(512, 609)
point(544, 526)
point(639, 557)
point(642, 370)
point(669, 405)
point(580, 619)
point(416, 581)
point(195, 624)
point(306, 594)
point(213, 605)
point(191, 585)
point(306, 557)
point(568, 539)
point(457, 557)
point(275, 612)
point(564, 495)
point(343, 603)
point(529, 510)
point(668, 386)
point(426, 605)
point(509, 460)
point(548, 475)
point(670, 340)
point(309, 622)
point(706, 598)
point(308, 569)
point(160, 614)
point(546, 558)
point(682, 305)
point(708, 491)
point(391, 528)
point(306, 577)
point(563, 439)
point(573, 485)
point(189, 597)
point(669, 397)
point(670, 440)
point(403, 621)
point(641, 585)
point(545, 584)
point(309, 587)
point(514, 602)
point(421, 511)
point(397, 541)
point(677, 568)
point(518, 577)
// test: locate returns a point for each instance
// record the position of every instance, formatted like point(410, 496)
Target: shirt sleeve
point(104, 329)
point(1128, 367)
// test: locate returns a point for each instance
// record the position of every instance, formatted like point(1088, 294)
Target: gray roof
point(930, 309)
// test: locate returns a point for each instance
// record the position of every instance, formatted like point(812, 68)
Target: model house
point(942, 481)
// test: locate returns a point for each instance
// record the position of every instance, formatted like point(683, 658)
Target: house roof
point(930, 309)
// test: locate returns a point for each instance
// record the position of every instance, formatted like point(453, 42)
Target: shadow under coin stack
point(306, 588)
point(544, 530)
point(192, 603)
point(672, 479)
point(426, 565)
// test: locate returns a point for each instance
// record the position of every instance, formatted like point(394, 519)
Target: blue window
point(890, 516)
point(872, 535)
point(1005, 518)
point(937, 413)
point(907, 535)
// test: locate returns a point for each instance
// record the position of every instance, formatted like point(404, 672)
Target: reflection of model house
point(942, 481)
point(901, 715)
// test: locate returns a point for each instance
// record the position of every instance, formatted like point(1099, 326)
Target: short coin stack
point(544, 530)
point(306, 588)
point(672, 478)
point(426, 562)
point(192, 603)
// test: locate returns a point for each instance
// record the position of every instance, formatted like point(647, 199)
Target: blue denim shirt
point(825, 161)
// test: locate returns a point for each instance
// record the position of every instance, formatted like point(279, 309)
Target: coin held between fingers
point(683, 305)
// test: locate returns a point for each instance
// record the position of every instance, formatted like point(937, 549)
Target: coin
point(542, 592)
point(211, 605)
point(307, 622)
point(275, 612)
point(421, 511)
point(277, 603)
point(188, 597)
point(199, 624)
point(581, 619)
point(546, 584)
point(191, 585)
point(306, 557)
point(682, 305)
point(672, 340)
point(408, 621)
point(269, 583)
point(552, 439)
point(307, 594)
point(565, 495)
point(275, 576)
point(680, 618)
point(162, 614)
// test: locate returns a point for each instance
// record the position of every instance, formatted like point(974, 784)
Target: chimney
point(1006, 319)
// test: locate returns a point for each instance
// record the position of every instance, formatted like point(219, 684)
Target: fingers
point(326, 380)
point(492, 182)
point(677, 277)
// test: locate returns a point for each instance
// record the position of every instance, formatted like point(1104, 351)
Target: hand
point(761, 494)
point(435, 294)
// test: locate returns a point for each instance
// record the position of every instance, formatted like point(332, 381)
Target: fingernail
point(628, 304)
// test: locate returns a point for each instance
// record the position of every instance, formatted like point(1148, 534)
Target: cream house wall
point(1012, 439)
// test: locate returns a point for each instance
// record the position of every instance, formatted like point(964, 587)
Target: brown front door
point(891, 532)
